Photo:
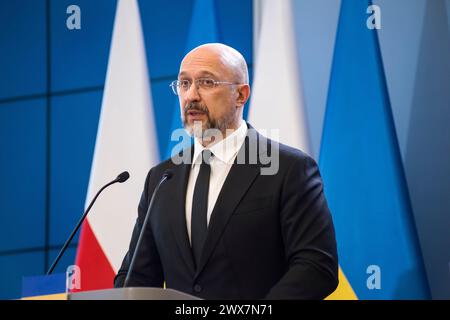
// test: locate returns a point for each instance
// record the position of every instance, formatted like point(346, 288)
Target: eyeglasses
point(181, 86)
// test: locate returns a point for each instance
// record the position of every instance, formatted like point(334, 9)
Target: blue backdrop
point(51, 86)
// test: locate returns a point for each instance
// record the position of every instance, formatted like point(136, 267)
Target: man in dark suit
point(242, 217)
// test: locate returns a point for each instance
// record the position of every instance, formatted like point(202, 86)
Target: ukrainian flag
point(363, 173)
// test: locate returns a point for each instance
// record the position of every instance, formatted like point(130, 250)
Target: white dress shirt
point(225, 152)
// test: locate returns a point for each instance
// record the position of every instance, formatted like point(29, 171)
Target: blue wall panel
point(23, 48)
point(80, 57)
point(23, 174)
point(74, 128)
point(165, 25)
point(235, 25)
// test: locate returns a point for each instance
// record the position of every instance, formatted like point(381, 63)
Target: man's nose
point(192, 94)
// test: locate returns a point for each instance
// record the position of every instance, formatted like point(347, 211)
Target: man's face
point(213, 108)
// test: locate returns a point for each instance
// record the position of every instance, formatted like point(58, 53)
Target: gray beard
point(210, 128)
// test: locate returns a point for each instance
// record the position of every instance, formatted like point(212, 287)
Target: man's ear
point(243, 92)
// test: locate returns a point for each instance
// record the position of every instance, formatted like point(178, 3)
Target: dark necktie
point(199, 226)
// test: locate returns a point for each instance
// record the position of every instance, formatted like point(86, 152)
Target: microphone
point(166, 176)
point(120, 178)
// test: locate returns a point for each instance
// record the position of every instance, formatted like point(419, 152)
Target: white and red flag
point(126, 141)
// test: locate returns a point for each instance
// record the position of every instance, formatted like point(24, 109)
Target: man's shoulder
point(288, 153)
point(275, 158)
point(292, 153)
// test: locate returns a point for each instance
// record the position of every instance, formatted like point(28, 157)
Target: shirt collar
point(225, 149)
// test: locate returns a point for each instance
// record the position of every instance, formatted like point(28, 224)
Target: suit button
point(197, 288)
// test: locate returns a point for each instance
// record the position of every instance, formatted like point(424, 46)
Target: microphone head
point(123, 177)
point(168, 174)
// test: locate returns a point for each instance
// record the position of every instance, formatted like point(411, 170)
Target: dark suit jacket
point(269, 236)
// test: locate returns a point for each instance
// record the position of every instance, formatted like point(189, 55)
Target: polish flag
point(277, 99)
point(126, 141)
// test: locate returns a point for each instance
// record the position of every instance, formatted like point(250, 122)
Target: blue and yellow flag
point(362, 170)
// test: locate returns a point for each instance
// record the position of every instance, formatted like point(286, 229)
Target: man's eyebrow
point(202, 74)
point(207, 73)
